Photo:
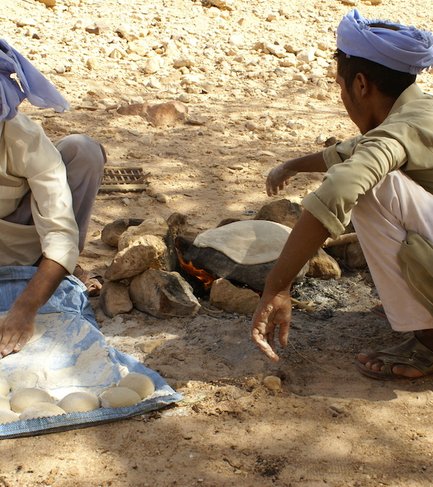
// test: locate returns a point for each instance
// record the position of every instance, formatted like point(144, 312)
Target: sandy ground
point(328, 425)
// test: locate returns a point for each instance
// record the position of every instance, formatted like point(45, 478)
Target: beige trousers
point(381, 219)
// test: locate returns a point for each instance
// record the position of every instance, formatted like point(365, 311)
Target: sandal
point(411, 353)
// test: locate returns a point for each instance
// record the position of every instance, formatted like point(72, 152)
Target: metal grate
point(123, 179)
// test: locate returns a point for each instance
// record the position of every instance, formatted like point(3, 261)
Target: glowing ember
point(200, 274)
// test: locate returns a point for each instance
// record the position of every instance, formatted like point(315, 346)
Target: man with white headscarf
point(46, 193)
point(383, 181)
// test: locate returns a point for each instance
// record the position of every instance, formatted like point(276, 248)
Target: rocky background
point(253, 83)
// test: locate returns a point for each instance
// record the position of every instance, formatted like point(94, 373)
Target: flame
point(199, 274)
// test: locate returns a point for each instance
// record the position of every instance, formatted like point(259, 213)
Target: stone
point(350, 254)
point(280, 211)
point(166, 114)
point(48, 3)
point(222, 4)
point(272, 382)
point(228, 297)
point(147, 251)
point(132, 109)
point(156, 226)
point(163, 294)
point(114, 299)
point(112, 231)
point(323, 266)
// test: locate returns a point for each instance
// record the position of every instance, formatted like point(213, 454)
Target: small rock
point(272, 382)
point(282, 211)
point(323, 266)
point(48, 3)
point(112, 231)
point(156, 226)
point(224, 295)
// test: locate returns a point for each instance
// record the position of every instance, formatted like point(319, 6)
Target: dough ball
point(119, 397)
point(4, 387)
point(24, 398)
point(8, 417)
point(41, 410)
point(4, 404)
point(79, 402)
point(140, 383)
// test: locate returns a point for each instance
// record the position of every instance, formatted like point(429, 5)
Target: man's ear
point(361, 85)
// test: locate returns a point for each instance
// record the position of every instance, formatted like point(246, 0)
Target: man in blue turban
point(382, 180)
point(46, 194)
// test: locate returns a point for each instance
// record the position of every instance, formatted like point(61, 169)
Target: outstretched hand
point(272, 312)
point(16, 329)
point(277, 178)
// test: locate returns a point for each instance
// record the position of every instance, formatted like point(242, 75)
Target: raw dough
point(24, 398)
point(118, 397)
point(8, 417)
point(247, 242)
point(4, 404)
point(79, 402)
point(41, 410)
point(140, 383)
point(4, 386)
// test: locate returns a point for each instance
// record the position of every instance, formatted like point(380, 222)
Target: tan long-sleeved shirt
point(29, 161)
point(403, 141)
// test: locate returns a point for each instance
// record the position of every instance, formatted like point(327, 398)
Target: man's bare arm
point(17, 327)
point(280, 175)
point(274, 309)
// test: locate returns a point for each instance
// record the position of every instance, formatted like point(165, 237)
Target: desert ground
point(257, 78)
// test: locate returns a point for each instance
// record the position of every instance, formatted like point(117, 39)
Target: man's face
point(355, 107)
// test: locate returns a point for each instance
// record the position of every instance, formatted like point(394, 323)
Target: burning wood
point(204, 277)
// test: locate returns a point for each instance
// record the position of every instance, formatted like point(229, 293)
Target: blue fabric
point(71, 332)
point(402, 48)
point(31, 84)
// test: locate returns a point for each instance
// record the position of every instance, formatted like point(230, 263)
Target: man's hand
point(278, 178)
point(16, 329)
point(272, 312)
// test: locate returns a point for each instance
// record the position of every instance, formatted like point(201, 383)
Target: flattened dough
point(140, 383)
point(119, 397)
point(24, 398)
point(247, 242)
point(79, 402)
point(41, 410)
point(4, 404)
point(8, 417)
point(4, 387)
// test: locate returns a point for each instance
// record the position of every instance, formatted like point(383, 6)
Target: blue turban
point(32, 84)
point(395, 46)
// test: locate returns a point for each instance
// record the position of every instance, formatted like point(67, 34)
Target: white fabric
point(382, 218)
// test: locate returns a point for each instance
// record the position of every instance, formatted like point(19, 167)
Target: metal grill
point(123, 179)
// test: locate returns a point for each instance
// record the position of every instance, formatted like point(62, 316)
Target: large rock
point(224, 295)
point(114, 299)
point(147, 251)
point(281, 211)
point(110, 233)
point(323, 266)
point(166, 114)
point(163, 294)
point(156, 226)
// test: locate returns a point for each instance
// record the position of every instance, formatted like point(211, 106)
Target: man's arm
point(275, 308)
point(280, 175)
point(17, 327)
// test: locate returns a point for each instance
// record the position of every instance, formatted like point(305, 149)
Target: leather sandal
point(411, 353)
